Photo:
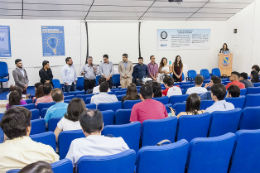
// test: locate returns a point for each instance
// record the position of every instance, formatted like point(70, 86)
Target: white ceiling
point(190, 10)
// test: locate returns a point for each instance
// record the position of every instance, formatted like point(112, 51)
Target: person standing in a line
point(20, 76)
point(125, 69)
point(177, 69)
point(69, 75)
point(45, 73)
point(106, 70)
point(153, 68)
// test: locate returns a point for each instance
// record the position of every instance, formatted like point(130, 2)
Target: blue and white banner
point(179, 39)
point(53, 43)
point(5, 43)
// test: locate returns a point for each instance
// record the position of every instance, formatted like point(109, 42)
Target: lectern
point(225, 62)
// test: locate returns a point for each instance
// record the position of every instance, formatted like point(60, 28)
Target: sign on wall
point(5, 43)
point(53, 43)
point(179, 39)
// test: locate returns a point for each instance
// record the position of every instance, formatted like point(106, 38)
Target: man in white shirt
point(94, 144)
point(197, 89)
point(103, 97)
point(96, 89)
point(170, 88)
point(69, 75)
point(218, 93)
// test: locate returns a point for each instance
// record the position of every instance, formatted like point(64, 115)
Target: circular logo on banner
point(164, 34)
point(226, 61)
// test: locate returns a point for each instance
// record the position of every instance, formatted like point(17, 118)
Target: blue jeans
point(69, 88)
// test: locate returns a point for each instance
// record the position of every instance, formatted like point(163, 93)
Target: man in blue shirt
point(59, 109)
point(140, 71)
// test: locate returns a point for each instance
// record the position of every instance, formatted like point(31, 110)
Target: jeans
point(69, 88)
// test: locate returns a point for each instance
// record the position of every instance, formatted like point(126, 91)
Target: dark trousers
point(69, 88)
point(139, 82)
point(110, 82)
point(89, 84)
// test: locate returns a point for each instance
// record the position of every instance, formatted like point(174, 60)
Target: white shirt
point(197, 90)
point(69, 74)
point(95, 145)
point(96, 90)
point(66, 125)
point(103, 98)
point(221, 105)
point(174, 91)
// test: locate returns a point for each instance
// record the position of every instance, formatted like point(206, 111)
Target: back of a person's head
point(234, 90)
point(216, 80)
point(37, 84)
point(13, 87)
point(199, 80)
point(39, 92)
point(75, 108)
point(146, 91)
point(37, 167)
point(236, 75)
point(57, 95)
point(157, 91)
point(104, 86)
point(15, 122)
point(193, 103)
point(101, 79)
point(219, 90)
point(14, 98)
point(91, 121)
point(256, 67)
point(47, 87)
point(168, 81)
point(255, 76)
point(244, 75)
point(131, 90)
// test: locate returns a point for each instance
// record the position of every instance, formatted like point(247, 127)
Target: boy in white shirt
point(103, 96)
point(197, 89)
point(96, 89)
point(170, 88)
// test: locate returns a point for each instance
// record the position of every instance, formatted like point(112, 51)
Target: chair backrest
point(64, 140)
point(62, 166)
point(4, 69)
point(91, 106)
point(256, 84)
point(119, 97)
point(97, 78)
point(204, 104)
point(245, 157)
point(128, 104)
point(224, 121)
point(47, 138)
point(243, 91)
point(122, 116)
point(253, 90)
point(1, 131)
point(186, 86)
point(155, 159)
point(116, 80)
point(110, 106)
point(210, 154)
point(52, 124)
point(192, 74)
point(76, 92)
point(67, 101)
point(28, 106)
point(193, 126)
point(154, 131)
point(121, 92)
point(83, 96)
point(28, 101)
point(205, 73)
point(41, 106)
point(182, 76)
point(69, 97)
point(38, 126)
point(80, 83)
point(179, 107)
point(35, 114)
point(252, 100)
point(250, 118)
point(164, 100)
point(123, 162)
point(108, 117)
point(238, 102)
point(87, 100)
point(56, 83)
point(129, 132)
point(178, 98)
point(216, 72)
point(43, 112)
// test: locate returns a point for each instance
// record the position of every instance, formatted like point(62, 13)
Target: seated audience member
point(103, 97)
point(91, 122)
point(254, 77)
point(96, 89)
point(197, 89)
point(157, 90)
point(233, 91)
point(131, 93)
point(234, 80)
point(243, 79)
point(218, 93)
point(214, 80)
point(47, 87)
point(59, 108)
point(20, 150)
point(70, 121)
point(192, 106)
point(256, 68)
point(170, 88)
point(148, 108)
point(37, 167)
point(12, 88)
point(39, 93)
point(15, 99)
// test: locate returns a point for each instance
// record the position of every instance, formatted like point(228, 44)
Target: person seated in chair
point(131, 93)
point(244, 80)
point(157, 90)
point(103, 97)
point(47, 87)
point(234, 78)
point(15, 98)
point(254, 77)
point(96, 89)
point(170, 88)
point(197, 89)
point(37, 167)
point(207, 95)
point(233, 91)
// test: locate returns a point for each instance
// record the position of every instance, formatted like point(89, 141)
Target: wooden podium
point(225, 62)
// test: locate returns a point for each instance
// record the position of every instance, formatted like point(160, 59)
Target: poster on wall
point(53, 43)
point(181, 39)
point(5, 43)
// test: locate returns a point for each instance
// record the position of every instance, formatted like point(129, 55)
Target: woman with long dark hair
point(177, 69)
point(164, 69)
point(224, 48)
point(15, 98)
point(131, 93)
point(39, 92)
point(157, 90)
point(192, 106)
point(254, 77)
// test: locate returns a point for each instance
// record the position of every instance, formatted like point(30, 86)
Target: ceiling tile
point(56, 7)
point(219, 10)
point(207, 19)
point(10, 12)
point(116, 8)
point(174, 4)
point(115, 14)
point(124, 3)
point(10, 17)
point(86, 2)
point(112, 18)
point(172, 9)
point(54, 13)
point(15, 5)
point(175, 15)
point(53, 18)
point(225, 5)
point(165, 18)
point(224, 15)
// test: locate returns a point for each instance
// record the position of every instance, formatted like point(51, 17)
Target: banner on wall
point(5, 43)
point(53, 43)
point(179, 39)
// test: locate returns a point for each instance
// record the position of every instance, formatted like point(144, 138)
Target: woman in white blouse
point(70, 121)
point(164, 69)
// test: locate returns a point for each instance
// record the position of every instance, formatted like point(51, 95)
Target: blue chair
point(183, 91)
point(224, 121)
point(178, 98)
point(69, 97)
point(245, 157)
point(216, 72)
point(97, 78)
point(155, 159)
point(256, 84)
point(250, 118)
point(191, 75)
point(4, 75)
point(108, 117)
point(119, 97)
point(128, 104)
point(179, 107)
point(253, 90)
point(186, 86)
point(110, 106)
point(116, 80)
point(91, 106)
point(205, 73)
point(64, 140)
point(226, 82)
point(38, 126)
point(252, 100)
point(83, 96)
point(129, 132)
point(35, 114)
point(56, 83)
point(121, 92)
point(154, 131)
point(243, 92)
point(193, 126)
point(123, 162)
point(43, 112)
point(28, 106)
point(122, 116)
point(183, 77)
point(80, 84)
point(67, 101)
point(204, 104)
point(52, 124)
point(115, 89)
point(41, 106)
point(75, 93)
point(210, 154)
point(1, 131)
point(88, 100)
point(28, 101)
point(47, 138)
point(167, 107)
point(238, 102)
point(164, 100)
